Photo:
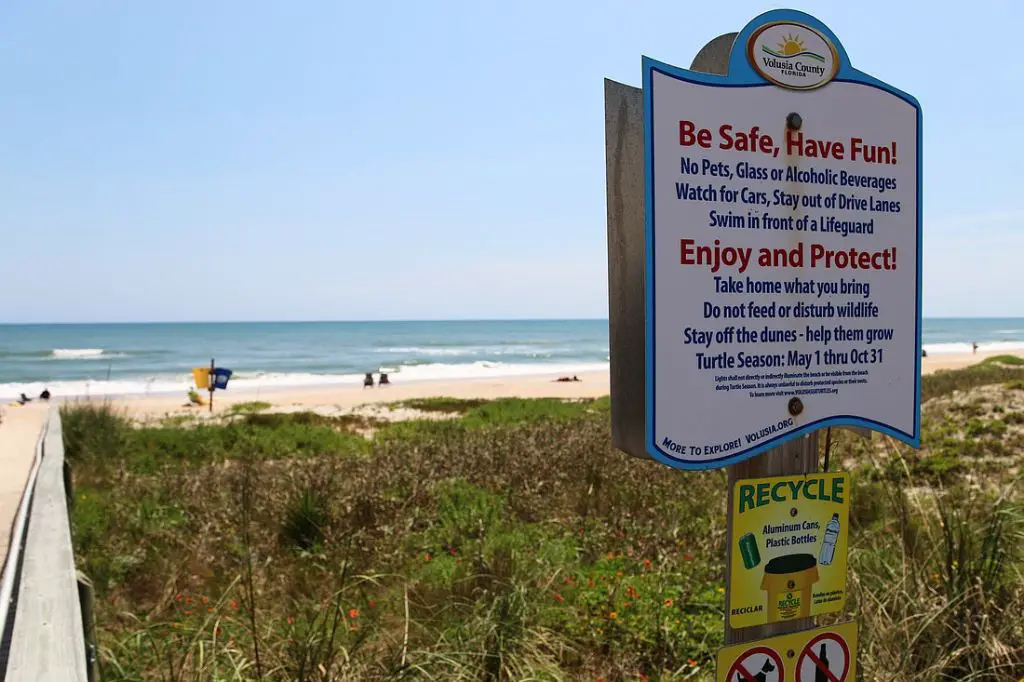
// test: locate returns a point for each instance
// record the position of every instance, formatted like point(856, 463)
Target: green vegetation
point(512, 542)
point(477, 413)
point(454, 405)
point(944, 382)
point(250, 407)
point(1011, 360)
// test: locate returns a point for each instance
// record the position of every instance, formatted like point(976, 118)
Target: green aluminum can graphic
point(748, 550)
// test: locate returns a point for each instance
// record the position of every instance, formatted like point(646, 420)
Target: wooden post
point(85, 597)
point(795, 457)
point(209, 383)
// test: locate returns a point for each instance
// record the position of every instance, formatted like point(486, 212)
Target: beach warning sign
point(757, 664)
point(790, 545)
point(826, 658)
point(783, 220)
point(827, 654)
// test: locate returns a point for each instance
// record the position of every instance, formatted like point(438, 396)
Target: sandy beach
point(938, 361)
point(339, 399)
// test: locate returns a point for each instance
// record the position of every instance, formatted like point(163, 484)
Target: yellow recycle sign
point(789, 552)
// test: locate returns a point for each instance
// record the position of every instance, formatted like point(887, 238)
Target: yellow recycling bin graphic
point(789, 556)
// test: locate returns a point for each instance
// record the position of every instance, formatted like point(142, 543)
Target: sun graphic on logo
point(791, 45)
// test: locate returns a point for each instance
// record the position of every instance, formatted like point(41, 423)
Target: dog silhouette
point(762, 676)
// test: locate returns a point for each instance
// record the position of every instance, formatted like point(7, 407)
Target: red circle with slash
point(739, 665)
point(810, 664)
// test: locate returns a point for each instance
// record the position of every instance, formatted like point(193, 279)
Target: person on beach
point(45, 395)
point(368, 380)
point(383, 381)
point(194, 398)
point(24, 399)
point(975, 347)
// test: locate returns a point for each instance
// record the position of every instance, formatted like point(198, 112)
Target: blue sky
point(232, 160)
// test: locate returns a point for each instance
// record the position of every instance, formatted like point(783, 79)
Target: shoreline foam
point(242, 382)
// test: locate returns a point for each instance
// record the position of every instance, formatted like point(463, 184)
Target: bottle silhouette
point(819, 674)
point(828, 545)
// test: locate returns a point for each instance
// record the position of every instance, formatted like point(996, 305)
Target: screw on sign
point(759, 664)
point(826, 658)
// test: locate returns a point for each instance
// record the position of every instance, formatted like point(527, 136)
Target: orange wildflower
point(558, 598)
point(291, 620)
point(669, 602)
point(353, 613)
point(613, 615)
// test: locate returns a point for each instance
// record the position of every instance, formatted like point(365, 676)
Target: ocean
point(127, 359)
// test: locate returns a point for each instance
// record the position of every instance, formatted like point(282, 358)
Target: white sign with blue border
point(783, 248)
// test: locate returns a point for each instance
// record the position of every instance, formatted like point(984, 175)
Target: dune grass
point(250, 407)
point(513, 543)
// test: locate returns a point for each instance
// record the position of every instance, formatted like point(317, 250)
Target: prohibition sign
point(748, 664)
point(810, 667)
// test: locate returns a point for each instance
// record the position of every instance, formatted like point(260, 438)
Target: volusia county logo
point(792, 56)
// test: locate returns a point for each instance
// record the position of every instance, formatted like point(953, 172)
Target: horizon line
point(321, 321)
point(409, 320)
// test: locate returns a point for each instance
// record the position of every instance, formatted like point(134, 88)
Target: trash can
point(201, 375)
point(788, 580)
point(221, 377)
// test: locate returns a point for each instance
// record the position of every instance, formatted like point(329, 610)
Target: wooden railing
point(41, 614)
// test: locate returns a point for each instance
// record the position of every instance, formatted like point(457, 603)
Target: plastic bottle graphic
point(828, 545)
